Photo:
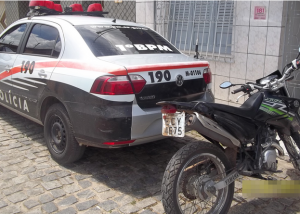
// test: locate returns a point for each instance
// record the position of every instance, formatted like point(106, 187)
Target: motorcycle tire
point(180, 166)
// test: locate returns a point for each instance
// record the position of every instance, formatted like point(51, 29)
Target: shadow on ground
point(136, 171)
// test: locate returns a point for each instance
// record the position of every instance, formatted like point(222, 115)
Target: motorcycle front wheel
point(187, 176)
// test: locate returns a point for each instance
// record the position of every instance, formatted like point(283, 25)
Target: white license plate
point(173, 124)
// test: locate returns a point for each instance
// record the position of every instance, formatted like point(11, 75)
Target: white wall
point(257, 50)
point(256, 46)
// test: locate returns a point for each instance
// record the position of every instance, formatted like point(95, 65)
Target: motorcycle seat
point(248, 109)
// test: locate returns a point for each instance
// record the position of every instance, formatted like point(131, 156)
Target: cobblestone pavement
point(116, 181)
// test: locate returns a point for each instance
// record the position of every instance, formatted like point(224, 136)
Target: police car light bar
point(46, 7)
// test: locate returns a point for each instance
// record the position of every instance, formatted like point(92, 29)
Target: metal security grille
point(124, 10)
point(292, 44)
point(207, 23)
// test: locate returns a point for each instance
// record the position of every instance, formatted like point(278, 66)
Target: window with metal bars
point(208, 23)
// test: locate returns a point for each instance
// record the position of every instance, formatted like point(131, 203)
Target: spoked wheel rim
point(191, 188)
point(57, 134)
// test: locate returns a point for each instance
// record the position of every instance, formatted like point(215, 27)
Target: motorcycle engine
point(268, 157)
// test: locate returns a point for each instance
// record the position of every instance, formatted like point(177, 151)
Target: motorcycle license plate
point(173, 124)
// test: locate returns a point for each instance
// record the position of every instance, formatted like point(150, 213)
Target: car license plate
point(173, 124)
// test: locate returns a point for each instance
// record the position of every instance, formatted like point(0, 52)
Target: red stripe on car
point(142, 68)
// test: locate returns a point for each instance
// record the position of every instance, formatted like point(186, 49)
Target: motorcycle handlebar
point(238, 90)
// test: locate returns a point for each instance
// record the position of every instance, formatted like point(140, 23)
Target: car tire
point(59, 136)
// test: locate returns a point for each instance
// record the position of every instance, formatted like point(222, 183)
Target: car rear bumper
point(146, 127)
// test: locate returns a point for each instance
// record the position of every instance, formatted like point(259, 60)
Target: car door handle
point(42, 73)
point(7, 68)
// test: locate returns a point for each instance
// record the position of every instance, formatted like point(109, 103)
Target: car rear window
point(108, 40)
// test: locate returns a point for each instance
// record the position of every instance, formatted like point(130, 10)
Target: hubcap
point(58, 135)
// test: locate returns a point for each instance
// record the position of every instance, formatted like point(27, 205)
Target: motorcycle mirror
point(225, 85)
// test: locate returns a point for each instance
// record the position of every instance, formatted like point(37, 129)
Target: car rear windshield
point(108, 40)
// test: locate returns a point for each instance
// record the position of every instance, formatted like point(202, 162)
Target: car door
point(9, 46)
point(39, 55)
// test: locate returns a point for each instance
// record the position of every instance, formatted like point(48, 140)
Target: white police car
point(93, 81)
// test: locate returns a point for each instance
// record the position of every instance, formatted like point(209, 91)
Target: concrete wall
point(256, 46)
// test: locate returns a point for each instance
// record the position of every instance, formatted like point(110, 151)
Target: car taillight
point(168, 109)
point(207, 75)
point(138, 82)
point(118, 142)
point(118, 85)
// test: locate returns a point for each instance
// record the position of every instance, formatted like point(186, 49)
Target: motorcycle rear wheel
point(189, 170)
point(292, 145)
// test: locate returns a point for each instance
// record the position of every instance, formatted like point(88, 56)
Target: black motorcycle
point(242, 141)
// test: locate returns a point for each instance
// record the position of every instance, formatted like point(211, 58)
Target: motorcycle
point(242, 141)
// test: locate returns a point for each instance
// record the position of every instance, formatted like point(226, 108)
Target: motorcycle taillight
point(169, 109)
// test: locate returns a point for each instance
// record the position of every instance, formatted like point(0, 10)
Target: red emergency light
point(76, 7)
point(95, 7)
point(58, 8)
point(45, 7)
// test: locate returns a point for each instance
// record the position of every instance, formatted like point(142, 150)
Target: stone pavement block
point(49, 207)
point(79, 177)
point(46, 198)
point(129, 208)
point(3, 204)
point(17, 197)
point(31, 184)
point(20, 179)
point(108, 205)
point(244, 208)
point(35, 191)
point(51, 185)
point(276, 206)
point(285, 201)
point(11, 168)
point(270, 210)
point(12, 189)
point(37, 174)
point(101, 188)
point(147, 212)
point(86, 205)
point(124, 199)
point(141, 194)
point(58, 193)
point(158, 208)
point(31, 203)
point(106, 195)
point(11, 209)
point(85, 184)
point(68, 201)
point(69, 210)
point(50, 177)
point(145, 203)
point(28, 170)
point(8, 175)
point(66, 180)
point(86, 194)
point(30, 156)
point(71, 188)
point(62, 174)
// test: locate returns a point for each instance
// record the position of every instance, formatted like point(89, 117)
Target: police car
point(93, 81)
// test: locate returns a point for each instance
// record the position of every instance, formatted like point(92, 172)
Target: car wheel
point(59, 136)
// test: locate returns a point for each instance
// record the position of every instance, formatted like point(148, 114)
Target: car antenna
point(114, 20)
point(196, 50)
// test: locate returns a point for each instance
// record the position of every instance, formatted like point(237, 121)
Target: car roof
point(84, 20)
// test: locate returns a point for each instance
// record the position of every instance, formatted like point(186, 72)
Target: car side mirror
point(225, 85)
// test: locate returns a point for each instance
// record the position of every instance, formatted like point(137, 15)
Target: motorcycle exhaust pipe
point(211, 129)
